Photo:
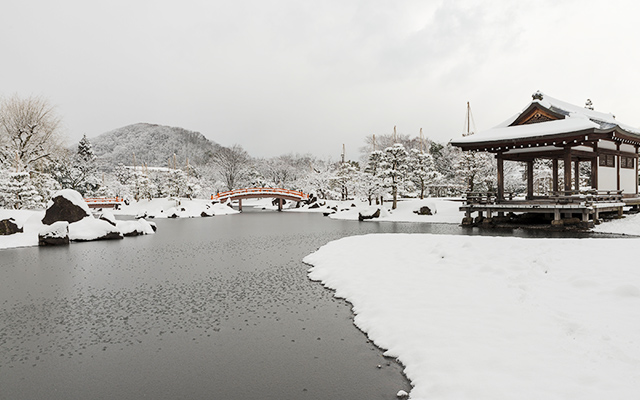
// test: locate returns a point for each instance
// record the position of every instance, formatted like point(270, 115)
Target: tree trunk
point(395, 198)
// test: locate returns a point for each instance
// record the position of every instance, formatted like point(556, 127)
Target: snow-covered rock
point(369, 213)
point(135, 228)
point(172, 213)
point(90, 228)
point(9, 226)
point(55, 234)
point(372, 212)
point(66, 205)
point(107, 216)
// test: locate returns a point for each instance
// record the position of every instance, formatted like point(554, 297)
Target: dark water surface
point(207, 308)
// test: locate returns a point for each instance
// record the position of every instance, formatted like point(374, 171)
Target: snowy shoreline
point(31, 220)
point(445, 211)
point(495, 318)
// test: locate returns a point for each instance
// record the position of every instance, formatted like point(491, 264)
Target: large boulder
point(9, 227)
point(66, 205)
point(55, 234)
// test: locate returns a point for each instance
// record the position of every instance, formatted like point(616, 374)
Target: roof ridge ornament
point(537, 95)
point(588, 104)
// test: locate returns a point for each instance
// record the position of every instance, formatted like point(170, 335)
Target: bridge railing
point(103, 200)
point(258, 191)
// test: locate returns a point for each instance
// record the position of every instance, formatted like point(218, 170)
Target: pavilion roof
point(570, 119)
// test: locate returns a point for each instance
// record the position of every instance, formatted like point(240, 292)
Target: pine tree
point(18, 192)
point(477, 170)
point(422, 170)
point(372, 182)
point(345, 178)
point(84, 169)
point(394, 169)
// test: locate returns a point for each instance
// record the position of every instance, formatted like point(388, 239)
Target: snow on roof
point(531, 130)
point(576, 119)
point(565, 108)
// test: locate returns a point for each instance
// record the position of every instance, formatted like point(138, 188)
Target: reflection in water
point(206, 308)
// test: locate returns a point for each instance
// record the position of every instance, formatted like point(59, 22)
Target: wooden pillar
point(618, 165)
point(594, 173)
point(577, 174)
point(555, 175)
point(239, 204)
point(567, 169)
point(635, 160)
point(279, 204)
point(500, 177)
point(530, 179)
point(594, 167)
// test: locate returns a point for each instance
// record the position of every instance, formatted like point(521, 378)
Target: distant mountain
point(152, 144)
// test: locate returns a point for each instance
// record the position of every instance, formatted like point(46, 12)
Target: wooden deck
point(585, 205)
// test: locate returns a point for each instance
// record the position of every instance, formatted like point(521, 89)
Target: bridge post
point(280, 204)
point(240, 205)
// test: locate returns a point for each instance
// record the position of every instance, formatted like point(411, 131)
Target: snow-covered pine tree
point(345, 177)
point(477, 170)
point(394, 169)
point(18, 192)
point(84, 177)
point(176, 183)
point(255, 178)
point(422, 170)
point(372, 180)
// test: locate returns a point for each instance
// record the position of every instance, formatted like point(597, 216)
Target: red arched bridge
point(258, 193)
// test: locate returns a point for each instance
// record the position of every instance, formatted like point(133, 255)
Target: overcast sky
point(307, 76)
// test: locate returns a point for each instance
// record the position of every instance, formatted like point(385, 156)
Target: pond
point(215, 308)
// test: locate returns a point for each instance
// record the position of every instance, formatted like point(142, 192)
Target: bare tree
point(29, 131)
point(232, 163)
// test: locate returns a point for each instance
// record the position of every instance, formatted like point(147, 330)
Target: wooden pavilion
point(567, 135)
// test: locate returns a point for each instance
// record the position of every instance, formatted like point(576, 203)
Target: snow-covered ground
point(444, 210)
point(496, 318)
point(629, 225)
point(89, 228)
point(183, 208)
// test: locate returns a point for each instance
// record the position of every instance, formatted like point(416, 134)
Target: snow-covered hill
point(152, 144)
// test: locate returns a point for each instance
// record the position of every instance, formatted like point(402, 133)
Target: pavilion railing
point(588, 196)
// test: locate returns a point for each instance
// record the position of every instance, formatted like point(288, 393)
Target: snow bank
point(183, 208)
point(137, 227)
point(90, 228)
point(629, 225)
point(31, 224)
point(496, 318)
point(446, 210)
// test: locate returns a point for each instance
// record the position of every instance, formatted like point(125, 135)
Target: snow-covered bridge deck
point(103, 202)
point(255, 193)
